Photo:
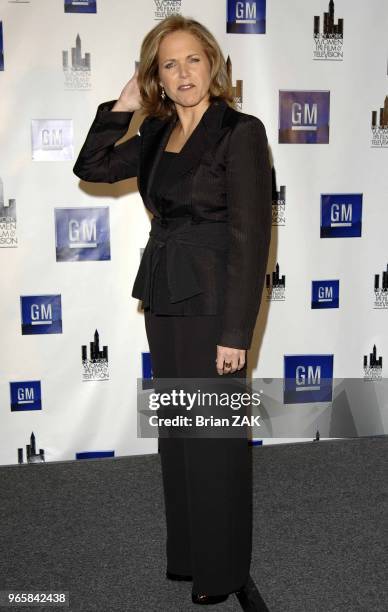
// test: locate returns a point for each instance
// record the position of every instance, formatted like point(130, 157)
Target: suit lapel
point(207, 132)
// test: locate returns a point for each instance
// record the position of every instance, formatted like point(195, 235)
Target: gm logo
point(304, 117)
point(41, 314)
point(25, 395)
point(52, 139)
point(146, 367)
point(246, 17)
point(80, 6)
point(308, 378)
point(325, 294)
point(82, 234)
point(341, 215)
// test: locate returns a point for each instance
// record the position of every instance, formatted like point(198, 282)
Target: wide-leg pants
point(207, 482)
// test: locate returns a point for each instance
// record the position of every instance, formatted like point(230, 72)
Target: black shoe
point(250, 598)
point(205, 600)
point(172, 576)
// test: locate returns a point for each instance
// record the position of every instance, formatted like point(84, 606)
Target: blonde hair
point(148, 75)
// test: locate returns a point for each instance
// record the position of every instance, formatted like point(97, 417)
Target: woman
point(203, 172)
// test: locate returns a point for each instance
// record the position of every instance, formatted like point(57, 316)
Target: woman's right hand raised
point(129, 99)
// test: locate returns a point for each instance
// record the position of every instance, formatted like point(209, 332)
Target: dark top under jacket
point(160, 295)
point(208, 245)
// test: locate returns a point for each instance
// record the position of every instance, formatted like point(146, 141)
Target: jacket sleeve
point(99, 161)
point(249, 202)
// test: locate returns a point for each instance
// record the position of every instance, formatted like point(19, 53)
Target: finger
point(233, 365)
point(241, 361)
point(219, 362)
point(221, 359)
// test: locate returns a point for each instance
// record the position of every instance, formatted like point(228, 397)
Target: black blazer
point(223, 177)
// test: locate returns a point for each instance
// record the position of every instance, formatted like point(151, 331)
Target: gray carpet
point(96, 528)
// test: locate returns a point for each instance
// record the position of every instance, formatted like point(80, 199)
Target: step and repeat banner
point(73, 343)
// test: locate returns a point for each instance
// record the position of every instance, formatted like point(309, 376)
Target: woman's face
point(184, 69)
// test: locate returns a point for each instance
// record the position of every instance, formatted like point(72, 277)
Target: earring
point(163, 94)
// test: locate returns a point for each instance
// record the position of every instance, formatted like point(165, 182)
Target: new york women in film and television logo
point(165, 8)
point(379, 126)
point(76, 67)
point(94, 364)
point(278, 202)
point(328, 36)
point(8, 236)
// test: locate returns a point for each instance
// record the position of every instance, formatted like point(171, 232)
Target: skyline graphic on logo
point(328, 43)
point(78, 63)
point(381, 290)
point(304, 117)
point(373, 370)
point(8, 237)
point(379, 126)
point(95, 367)
point(330, 29)
point(374, 361)
point(248, 17)
point(278, 202)
point(31, 454)
point(275, 285)
point(238, 88)
point(383, 116)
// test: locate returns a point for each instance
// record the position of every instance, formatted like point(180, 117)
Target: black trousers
point(207, 482)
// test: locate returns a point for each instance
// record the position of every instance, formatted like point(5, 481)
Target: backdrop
point(73, 344)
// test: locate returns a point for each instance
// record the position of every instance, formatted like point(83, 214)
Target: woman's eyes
point(193, 59)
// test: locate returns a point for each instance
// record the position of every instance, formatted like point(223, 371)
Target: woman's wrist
point(119, 106)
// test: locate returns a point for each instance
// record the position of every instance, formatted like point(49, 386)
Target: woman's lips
point(186, 87)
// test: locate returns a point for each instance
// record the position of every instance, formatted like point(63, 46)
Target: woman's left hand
point(234, 357)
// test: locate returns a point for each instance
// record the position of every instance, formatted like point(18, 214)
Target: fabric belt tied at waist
point(175, 236)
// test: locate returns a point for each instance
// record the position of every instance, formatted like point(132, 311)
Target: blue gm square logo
point(147, 376)
point(41, 314)
point(80, 6)
point(341, 215)
point(25, 395)
point(82, 234)
point(325, 294)
point(304, 117)
point(308, 378)
point(246, 17)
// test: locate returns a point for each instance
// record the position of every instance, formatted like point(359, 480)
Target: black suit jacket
point(222, 175)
